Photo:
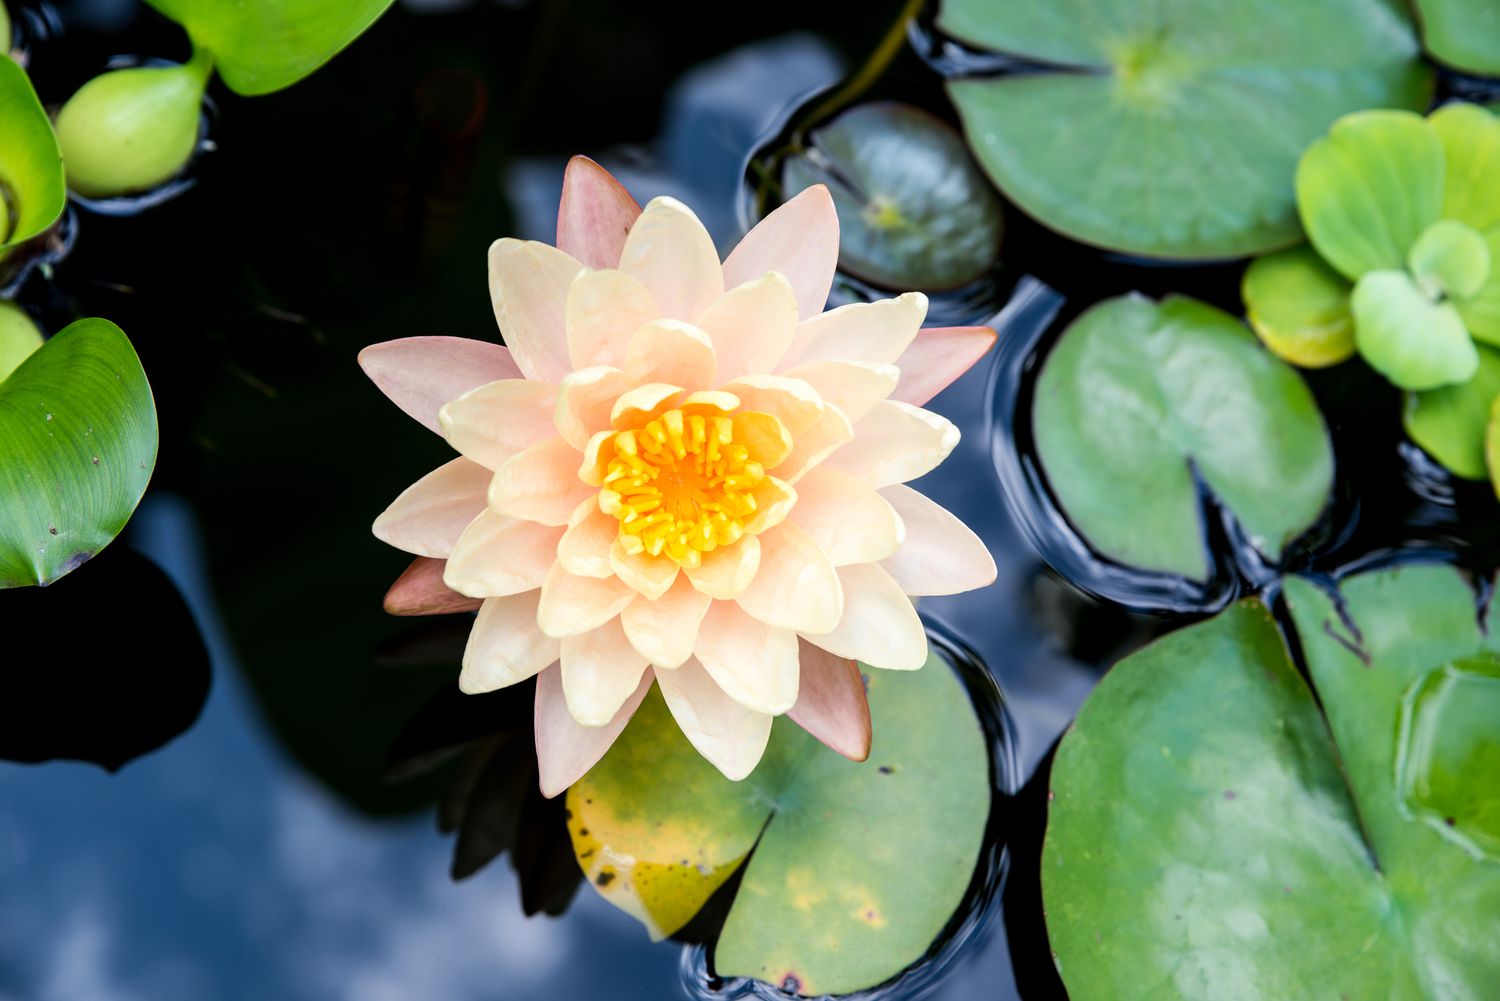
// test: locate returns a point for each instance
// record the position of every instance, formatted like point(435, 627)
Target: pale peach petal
point(584, 400)
point(774, 500)
point(497, 556)
point(728, 570)
point(429, 516)
point(650, 575)
point(497, 420)
point(816, 442)
point(505, 646)
point(765, 436)
point(846, 517)
point(603, 309)
point(671, 351)
point(597, 455)
point(671, 254)
point(880, 625)
point(642, 403)
point(792, 401)
point(730, 736)
point(584, 548)
point(801, 240)
point(831, 702)
point(420, 374)
point(755, 664)
point(664, 631)
point(571, 605)
point(594, 215)
point(540, 484)
point(796, 587)
point(565, 751)
point(600, 670)
point(420, 591)
point(529, 290)
point(852, 386)
point(710, 402)
point(894, 443)
point(751, 325)
point(937, 357)
point(877, 332)
point(940, 554)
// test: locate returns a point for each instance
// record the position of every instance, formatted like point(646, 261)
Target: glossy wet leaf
point(19, 337)
point(857, 866)
point(1213, 836)
point(79, 427)
point(915, 212)
point(270, 44)
point(32, 190)
point(1464, 34)
point(1450, 423)
point(1406, 336)
point(1299, 307)
point(1173, 130)
point(1136, 395)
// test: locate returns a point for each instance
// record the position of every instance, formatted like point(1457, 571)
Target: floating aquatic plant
point(32, 189)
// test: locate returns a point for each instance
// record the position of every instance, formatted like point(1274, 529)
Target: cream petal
point(894, 443)
point(774, 500)
point(936, 358)
point(642, 403)
point(792, 401)
point(540, 484)
point(529, 290)
point(671, 254)
point(664, 631)
point(429, 516)
point(796, 587)
point(940, 554)
point(765, 436)
point(497, 556)
point(565, 751)
point(505, 646)
point(831, 702)
point(584, 401)
point(726, 571)
point(650, 575)
point(671, 351)
point(571, 605)
point(755, 664)
point(852, 386)
point(420, 374)
point(730, 736)
point(603, 309)
point(600, 670)
point(584, 548)
point(880, 625)
point(862, 331)
point(846, 517)
point(816, 442)
point(595, 214)
point(420, 591)
point(497, 420)
point(751, 325)
point(801, 240)
point(597, 455)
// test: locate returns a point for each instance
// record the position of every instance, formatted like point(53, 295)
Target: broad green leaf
point(915, 212)
point(1470, 136)
point(1173, 130)
point(857, 866)
point(1300, 307)
point(270, 44)
point(1449, 423)
point(1212, 836)
point(1464, 34)
point(1413, 341)
point(32, 189)
point(1136, 392)
point(79, 427)
point(19, 337)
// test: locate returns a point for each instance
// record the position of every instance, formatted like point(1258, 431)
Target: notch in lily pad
point(33, 191)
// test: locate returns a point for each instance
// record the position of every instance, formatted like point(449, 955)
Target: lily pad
point(1299, 307)
point(1450, 423)
point(1464, 34)
point(915, 212)
point(1136, 396)
point(79, 427)
point(271, 44)
point(32, 189)
point(1213, 836)
point(856, 866)
point(1173, 130)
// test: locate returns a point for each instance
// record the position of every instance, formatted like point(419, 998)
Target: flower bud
point(19, 337)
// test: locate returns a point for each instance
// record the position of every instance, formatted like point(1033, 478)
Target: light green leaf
point(1449, 423)
point(1172, 130)
point(5, 31)
point(1405, 336)
point(1300, 307)
point(1450, 259)
point(1134, 391)
point(19, 337)
point(79, 427)
point(1470, 136)
point(1464, 34)
point(1492, 445)
point(264, 46)
point(32, 190)
point(858, 865)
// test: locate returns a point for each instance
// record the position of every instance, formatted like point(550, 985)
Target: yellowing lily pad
point(32, 189)
point(1299, 307)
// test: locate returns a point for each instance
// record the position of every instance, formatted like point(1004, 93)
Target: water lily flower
point(681, 470)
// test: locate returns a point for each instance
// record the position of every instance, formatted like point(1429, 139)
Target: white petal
point(852, 386)
point(571, 605)
point(796, 587)
point(894, 443)
point(584, 401)
point(540, 484)
point(664, 631)
point(846, 517)
point(876, 332)
point(728, 570)
point(880, 625)
point(751, 325)
point(529, 290)
point(565, 751)
point(494, 422)
point(497, 556)
point(940, 554)
point(801, 240)
point(755, 664)
point(730, 736)
point(505, 645)
point(671, 351)
point(603, 309)
point(600, 670)
point(671, 254)
point(650, 575)
point(584, 548)
point(429, 516)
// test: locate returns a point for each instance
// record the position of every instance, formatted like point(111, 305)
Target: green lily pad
point(1464, 34)
point(19, 337)
point(1213, 836)
point(79, 427)
point(1299, 307)
point(1172, 130)
point(1450, 423)
point(1137, 394)
point(1407, 337)
point(271, 44)
point(915, 212)
point(32, 189)
point(856, 866)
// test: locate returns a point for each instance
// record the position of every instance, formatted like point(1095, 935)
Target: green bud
point(18, 337)
point(129, 130)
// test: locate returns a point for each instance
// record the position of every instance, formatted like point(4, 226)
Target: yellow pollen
point(681, 486)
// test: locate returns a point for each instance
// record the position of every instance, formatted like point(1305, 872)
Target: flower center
point(681, 485)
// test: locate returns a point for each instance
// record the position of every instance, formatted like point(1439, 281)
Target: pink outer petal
point(801, 240)
point(595, 214)
point(420, 591)
point(431, 515)
point(420, 374)
point(937, 358)
point(565, 751)
point(831, 702)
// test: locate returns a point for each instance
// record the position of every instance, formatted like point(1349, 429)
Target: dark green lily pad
point(1173, 130)
point(32, 189)
point(1136, 395)
point(79, 428)
point(1450, 423)
point(1464, 34)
